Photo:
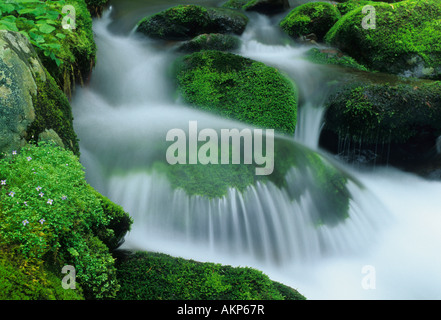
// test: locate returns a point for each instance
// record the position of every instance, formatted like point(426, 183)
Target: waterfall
point(122, 119)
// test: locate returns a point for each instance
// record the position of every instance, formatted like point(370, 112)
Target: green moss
point(184, 22)
point(235, 4)
point(398, 112)
point(27, 279)
point(406, 37)
point(350, 5)
point(333, 57)
point(152, 276)
point(53, 111)
point(314, 17)
point(238, 88)
point(212, 41)
point(119, 222)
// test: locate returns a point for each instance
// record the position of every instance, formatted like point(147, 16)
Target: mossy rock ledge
point(185, 22)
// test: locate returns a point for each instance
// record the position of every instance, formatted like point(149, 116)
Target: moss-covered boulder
point(313, 17)
point(161, 277)
point(184, 22)
point(238, 88)
point(212, 41)
point(31, 102)
point(406, 39)
point(403, 115)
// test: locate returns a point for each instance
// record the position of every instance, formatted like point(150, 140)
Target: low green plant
point(49, 213)
point(37, 20)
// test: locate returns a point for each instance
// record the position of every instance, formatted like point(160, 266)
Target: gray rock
point(19, 66)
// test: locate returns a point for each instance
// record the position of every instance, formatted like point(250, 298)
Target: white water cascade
point(122, 118)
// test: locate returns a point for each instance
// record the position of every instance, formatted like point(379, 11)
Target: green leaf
point(7, 25)
point(60, 35)
point(46, 28)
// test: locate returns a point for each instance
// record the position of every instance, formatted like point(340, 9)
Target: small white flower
point(50, 201)
point(12, 193)
point(25, 203)
point(42, 221)
point(63, 198)
point(25, 222)
point(38, 188)
point(14, 152)
point(29, 158)
point(3, 182)
point(41, 194)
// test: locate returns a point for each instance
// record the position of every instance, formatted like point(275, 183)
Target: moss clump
point(406, 38)
point(333, 57)
point(212, 41)
point(24, 278)
point(238, 88)
point(350, 5)
point(314, 17)
point(184, 22)
point(53, 111)
point(50, 217)
point(153, 276)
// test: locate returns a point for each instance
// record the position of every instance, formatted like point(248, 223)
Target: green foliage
point(350, 5)
point(49, 213)
point(152, 276)
point(68, 54)
point(238, 88)
point(313, 17)
point(38, 21)
point(406, 33)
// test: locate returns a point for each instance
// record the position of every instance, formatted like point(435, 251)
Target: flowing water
point(387, 249)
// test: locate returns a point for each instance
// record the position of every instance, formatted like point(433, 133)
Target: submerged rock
point(187, 21)
point(405, 39)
